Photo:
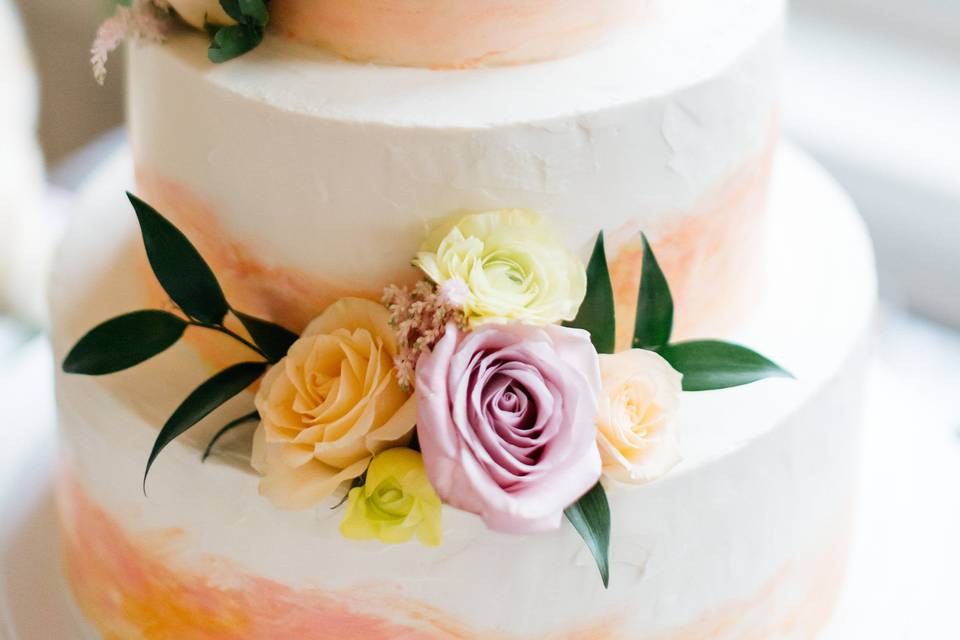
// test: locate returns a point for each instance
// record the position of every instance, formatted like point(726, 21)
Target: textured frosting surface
point(289, 165)
point(456, 33)
point(743, 539)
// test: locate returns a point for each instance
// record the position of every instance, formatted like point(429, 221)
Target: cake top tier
point(456, 33)
point(445, 33)
point(677, 51)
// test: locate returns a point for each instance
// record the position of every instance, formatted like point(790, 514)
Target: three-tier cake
point(390, 487)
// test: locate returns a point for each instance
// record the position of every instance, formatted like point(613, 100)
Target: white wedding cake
point(406, 245)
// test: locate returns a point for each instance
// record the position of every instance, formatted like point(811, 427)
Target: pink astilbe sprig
point(419, 316)
point(144, 19)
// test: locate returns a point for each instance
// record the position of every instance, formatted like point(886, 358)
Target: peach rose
point(330, 405)
point(638, 414)
point(199, 12)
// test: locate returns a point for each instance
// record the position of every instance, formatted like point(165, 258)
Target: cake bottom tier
point(746, 538)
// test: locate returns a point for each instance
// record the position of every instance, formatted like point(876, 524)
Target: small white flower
point(455, 293)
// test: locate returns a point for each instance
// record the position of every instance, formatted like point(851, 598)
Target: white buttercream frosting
point(766, 475)
point(335, 169)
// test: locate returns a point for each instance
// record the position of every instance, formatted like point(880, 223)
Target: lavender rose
point(506, 420)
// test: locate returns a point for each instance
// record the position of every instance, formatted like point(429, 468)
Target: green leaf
point(711, 364)
point(230, 426)
point(247, 12)
point(123, 342)
point(590, 516)
point(654, 320)
point(204, 399)
point(255, 12)
point(179, 267)
point(233, 41)
point(597, 312)
point(272, 339)
point(232, 9)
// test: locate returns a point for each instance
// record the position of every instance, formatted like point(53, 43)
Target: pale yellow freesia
point(330, 405)
point(636, 424)
point(512, 265)
point(395, 503)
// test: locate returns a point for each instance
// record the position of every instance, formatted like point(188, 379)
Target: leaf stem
point(228, 332)
point(250, 417)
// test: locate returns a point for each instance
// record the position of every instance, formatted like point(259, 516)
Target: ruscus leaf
point(272, 339)
point(232, 9)
point(590, 516)
point(204, 400)
point(654, 319)
point(179, 267)
point(707, 365)
point(233, 41)
point(597, 312)
point(124, 342)
point(255, 11)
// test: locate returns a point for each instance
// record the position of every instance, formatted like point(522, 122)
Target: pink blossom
point(419, 317)
point(145, 19)
point(506, 421)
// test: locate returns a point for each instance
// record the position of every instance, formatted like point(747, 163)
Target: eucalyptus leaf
point(227, 428)
point(272, 339)
point(597, 312)
point(204, 400)
point(123, 342)
point(590, 516)
point(233, 41)
point(654, 319)
point(232, 9)
point(255, 12)
point(179, 267)
point(711, 364)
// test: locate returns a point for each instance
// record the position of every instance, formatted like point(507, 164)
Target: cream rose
point(330, 405)
point(637, 418)
point(199, 12)
point(502, 266)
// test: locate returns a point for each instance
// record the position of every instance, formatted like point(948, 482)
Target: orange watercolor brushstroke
point(711, 257)
point(289, 296)
point(135, 587)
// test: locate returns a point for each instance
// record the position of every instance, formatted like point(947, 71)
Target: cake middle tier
point(307, 178)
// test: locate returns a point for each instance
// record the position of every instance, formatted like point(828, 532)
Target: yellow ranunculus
point(330, 405)
point(513, 266)
point(395, 503)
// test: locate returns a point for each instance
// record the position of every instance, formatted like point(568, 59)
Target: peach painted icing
point(712, 257)
point(282, 294)
point(137, 586)
point(453, 33)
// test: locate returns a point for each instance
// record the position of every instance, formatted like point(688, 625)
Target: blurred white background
point(872, 89)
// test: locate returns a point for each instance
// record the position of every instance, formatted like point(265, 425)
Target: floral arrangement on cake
point(235, 26)
point(491, 385)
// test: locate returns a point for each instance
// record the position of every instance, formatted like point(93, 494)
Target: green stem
point(230, 425)
point(224, 330)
